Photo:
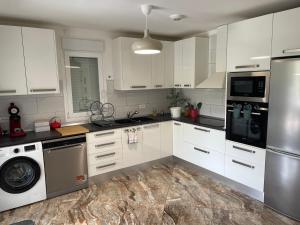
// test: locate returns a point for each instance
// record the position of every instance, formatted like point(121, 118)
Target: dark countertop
point(31, 136)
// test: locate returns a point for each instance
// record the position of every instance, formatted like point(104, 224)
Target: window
point(84, 84)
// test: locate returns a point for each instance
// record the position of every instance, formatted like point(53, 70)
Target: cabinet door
point(178, 140)
point(204, 137)
point(178, 77)
point(151, 142)
point(286, 33)
point(132, 153)
point(188, 62)
point(221, 51)
point(136, 69)
point(12, 70)
point(40, 60)
point(166, 139)
point(249, 44)
point(169, 64)
point(157, 70)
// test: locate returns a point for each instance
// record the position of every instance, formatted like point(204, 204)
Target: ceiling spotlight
point(177, 17)
point(146, 45)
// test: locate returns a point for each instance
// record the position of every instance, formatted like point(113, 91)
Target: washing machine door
point(19, 174)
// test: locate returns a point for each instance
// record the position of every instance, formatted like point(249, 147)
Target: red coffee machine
point(15, 121)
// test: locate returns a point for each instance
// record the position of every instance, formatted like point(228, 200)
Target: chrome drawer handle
point(151, 126)
point(204, 130)
point(138, 86)
point(101, 156)
point(105, 144)
point(243, 149)
point(247, 66)
point(102, 134)
point(132, 129)
point(43, 90)
point(158, 86)
point(187, 85)
point(177, 85)
point(7, 91)
point(177, 124)
point(243, 164)
point(201, 150)
point(293, 50)
point(107, 165)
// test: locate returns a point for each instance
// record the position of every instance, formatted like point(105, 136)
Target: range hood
point(215, 80)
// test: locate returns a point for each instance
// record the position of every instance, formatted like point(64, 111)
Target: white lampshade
point(147, 45)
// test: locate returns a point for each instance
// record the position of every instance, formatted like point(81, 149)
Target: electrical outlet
point(142, 106)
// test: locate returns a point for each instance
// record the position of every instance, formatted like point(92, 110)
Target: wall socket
point(142, 106)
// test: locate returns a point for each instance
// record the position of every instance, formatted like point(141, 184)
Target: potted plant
point(177, 100)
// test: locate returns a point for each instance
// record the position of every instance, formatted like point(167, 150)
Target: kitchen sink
point(142, 119)
point(125, 121)
point(134, 120)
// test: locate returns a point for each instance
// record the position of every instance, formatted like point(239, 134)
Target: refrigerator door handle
point(280, 151)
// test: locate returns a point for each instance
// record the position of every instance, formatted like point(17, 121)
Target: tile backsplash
point(38, 107)
point(213, 101)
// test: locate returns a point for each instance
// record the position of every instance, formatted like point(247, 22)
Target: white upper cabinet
point(286, 33)
point(191, 60)
point(168, 49)
point(138, 72)
point(12, 70)
point(221, 49)
point(40, 60)
point(135, 69)
point(249, 44)
point(157, 70)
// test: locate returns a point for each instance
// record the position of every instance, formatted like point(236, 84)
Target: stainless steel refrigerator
point(282, 175)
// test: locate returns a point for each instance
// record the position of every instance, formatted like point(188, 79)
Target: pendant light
point(146, 45)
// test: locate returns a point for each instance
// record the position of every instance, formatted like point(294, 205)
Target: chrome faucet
point(130, 115)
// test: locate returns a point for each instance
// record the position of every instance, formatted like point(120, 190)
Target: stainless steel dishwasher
point(65, 165)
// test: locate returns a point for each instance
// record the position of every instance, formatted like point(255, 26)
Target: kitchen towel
point(132, 136)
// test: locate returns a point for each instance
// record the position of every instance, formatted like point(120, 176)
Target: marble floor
point(165, 192)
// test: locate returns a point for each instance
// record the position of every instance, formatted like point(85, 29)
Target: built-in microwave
point(248, 86)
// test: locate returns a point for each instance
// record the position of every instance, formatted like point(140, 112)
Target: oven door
point(248, 86)
point(247, 130)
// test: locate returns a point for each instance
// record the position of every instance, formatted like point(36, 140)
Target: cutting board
point(72, 130)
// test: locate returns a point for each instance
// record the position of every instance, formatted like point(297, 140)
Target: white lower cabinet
point(245, 164)
point(208, 159)
point(204, 137)
point(104, 151)
point(178, 149)
point(166, 133)
point(151, 142)
point(132, 153)
point(109, 150)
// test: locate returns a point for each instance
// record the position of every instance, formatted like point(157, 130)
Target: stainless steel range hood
point(215, 80)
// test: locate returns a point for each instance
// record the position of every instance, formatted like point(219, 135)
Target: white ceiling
point(125, 15)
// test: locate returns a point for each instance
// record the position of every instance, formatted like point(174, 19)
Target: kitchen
point(196, 126)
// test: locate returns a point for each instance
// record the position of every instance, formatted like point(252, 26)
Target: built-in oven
point(246, 122)
point(248, 86)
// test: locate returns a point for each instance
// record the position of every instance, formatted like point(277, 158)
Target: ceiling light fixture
point(146, 45)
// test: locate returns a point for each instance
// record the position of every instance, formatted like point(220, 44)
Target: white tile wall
point(213, 101)
point(46, 106)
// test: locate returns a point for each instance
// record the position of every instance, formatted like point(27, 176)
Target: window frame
point(71, 116)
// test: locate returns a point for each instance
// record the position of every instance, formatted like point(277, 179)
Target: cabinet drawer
point(104, 167)
point(104, 145)
point(204, 137)
point(245, 172)
point(103, 135)
point(115, 154)
point(250, 153)
point(208, 159)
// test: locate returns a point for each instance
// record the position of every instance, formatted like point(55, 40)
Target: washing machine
point(22, 175)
